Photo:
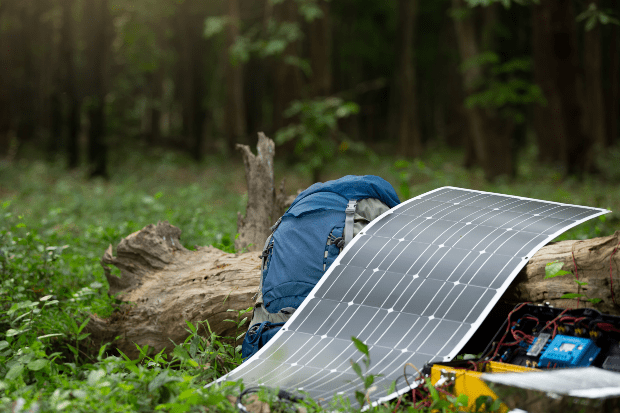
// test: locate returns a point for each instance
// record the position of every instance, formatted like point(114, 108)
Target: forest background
point(117, 114)
point(83, 78)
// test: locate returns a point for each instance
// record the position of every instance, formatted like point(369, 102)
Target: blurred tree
point(594, 105)
point(556, 62)
point(320, 45)
point(406, 101)
point(316, 138)
point(548, 119)
point(612, 93)
point(27, 116)
point(287, 80)
point(491, 134)
point(6, 74)
point(234, 115)
point(97, 69)
point(70, 103)
point(190, 81)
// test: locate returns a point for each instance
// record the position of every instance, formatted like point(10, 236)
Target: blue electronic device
point(566, 351)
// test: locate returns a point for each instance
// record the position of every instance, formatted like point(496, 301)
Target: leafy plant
point(317, 139)
point(367, 378)
point(593, 16)
point(505, 88)
point(554, 269)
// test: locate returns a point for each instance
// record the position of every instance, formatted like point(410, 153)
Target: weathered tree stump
point(265, 204)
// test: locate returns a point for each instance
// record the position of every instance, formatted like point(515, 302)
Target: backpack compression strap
point(349, 221)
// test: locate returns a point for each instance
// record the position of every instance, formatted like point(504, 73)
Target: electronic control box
point(545, 337)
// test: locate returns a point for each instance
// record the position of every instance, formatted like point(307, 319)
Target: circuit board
point(546, 338)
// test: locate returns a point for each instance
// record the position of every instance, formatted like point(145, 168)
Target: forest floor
point(55, 226)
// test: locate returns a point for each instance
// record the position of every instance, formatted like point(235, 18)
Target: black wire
point(282, 395)
point(402, 376)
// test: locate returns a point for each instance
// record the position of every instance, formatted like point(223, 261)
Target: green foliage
point(593, 15)
point(505, 3)
point(268, 41)
point(317, 139)
point(55, 225)
point(367, 378)
point(554, 269)
point(506, 88)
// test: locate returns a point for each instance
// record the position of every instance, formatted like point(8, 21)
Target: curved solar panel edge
point(414, 285)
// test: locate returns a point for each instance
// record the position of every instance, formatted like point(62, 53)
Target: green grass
point(55, 226)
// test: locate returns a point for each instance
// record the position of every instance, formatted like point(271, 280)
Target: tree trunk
point(198, 110)
point(234, 116)
point(287, 78)
point(594, 106)
point(72, 114)
point(548, 119)
point(578, 149)
point(155, 94)
point(320, 42)
point(491, 135)
point(408, 125)
point(613, 92)
point(26, 100)
point(167, 284)
point(54, 142)
point(97, 51)
point(6, 74)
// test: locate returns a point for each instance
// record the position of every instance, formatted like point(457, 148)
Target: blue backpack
point(304, 243)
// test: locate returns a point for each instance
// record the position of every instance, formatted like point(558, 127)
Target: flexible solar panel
point(414, 285)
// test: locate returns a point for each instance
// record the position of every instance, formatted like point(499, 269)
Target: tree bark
point(596, 261)
point(167, 284)
point(408, 125)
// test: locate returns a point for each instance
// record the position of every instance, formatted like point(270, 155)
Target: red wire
point(508, 327)
point(554, 321)
point(611, 278)
point(607, 327)
point(397, 404)
point(474, 364)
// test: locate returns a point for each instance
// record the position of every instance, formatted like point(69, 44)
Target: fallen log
point(165, 284)
point(162, 284)
point(594, 261)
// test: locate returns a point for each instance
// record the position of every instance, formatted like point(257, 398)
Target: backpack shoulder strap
point(349, 221)
point(266, 249)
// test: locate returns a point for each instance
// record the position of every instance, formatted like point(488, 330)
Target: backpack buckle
point(351, 207)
